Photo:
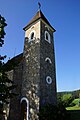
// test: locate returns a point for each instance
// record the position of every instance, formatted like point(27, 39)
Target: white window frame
point(24, 98)
point(48, 40)
point(49, 80)
point(33, 31)
point(48, 60)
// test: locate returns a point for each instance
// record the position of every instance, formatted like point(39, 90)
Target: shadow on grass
point(74, 114)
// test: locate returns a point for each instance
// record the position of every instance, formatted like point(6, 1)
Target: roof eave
point(30, 24)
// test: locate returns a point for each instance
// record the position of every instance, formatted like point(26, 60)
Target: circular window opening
point(48, 79)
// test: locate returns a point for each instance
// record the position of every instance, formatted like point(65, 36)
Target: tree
point(2, 32)
point(6, 85)
point(67, 99)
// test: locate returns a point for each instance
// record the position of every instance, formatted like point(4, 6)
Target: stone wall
point(48, 91)
point(31, 77)
point(14, 112)
point(35, 70)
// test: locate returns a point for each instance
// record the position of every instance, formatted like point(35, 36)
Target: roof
point(13, 62)
point(39, 15)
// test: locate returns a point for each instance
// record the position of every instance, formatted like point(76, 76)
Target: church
point(35, 72)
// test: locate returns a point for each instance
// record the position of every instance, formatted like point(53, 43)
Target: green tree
point(2, 32)
point(6, 85)
point(67, 99)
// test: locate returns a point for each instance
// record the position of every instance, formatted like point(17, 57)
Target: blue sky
point(64, 16)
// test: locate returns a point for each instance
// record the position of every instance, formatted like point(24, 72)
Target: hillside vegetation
point(69, 99)
point(75, 94)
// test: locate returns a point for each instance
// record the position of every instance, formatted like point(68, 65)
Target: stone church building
point(35, 73)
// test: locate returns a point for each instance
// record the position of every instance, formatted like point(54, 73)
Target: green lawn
point(74, 112)
point(73, 108)
point(76, 106)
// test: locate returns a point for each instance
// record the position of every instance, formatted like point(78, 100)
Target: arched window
point(32, 35)
point(47, 36)
point(48, 60)
point(24, 109)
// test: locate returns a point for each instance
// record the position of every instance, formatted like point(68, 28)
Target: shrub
point(53, 112)
point(76, 102)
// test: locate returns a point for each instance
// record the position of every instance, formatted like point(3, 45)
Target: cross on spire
point(39, 5)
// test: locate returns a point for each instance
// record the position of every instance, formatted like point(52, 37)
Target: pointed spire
point(39, 15)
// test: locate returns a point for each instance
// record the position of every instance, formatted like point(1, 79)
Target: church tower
point(39, 74)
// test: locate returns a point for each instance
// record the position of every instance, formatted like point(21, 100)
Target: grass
point(74, 112)
point(73, 108)
point(76, 103)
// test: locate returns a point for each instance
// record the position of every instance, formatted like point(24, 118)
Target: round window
point(48, 79)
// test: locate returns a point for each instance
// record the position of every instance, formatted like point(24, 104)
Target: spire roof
point(39, 15)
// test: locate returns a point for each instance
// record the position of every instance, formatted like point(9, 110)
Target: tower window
point(32, 35)
point(48, 60)
point(47, 36)
point(48, 79)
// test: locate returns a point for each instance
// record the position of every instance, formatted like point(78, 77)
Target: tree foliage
point(6, 85)
point(2, 32)
point(67, 99)
point(76, 102)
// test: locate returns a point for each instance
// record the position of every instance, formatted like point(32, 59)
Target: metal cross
point(39, 5)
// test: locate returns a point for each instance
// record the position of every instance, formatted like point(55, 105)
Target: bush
point(67, 99)
point(72, 104)
point(76, 102)
point(51, 112)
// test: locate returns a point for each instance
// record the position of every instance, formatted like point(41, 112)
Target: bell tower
point(39, 75)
